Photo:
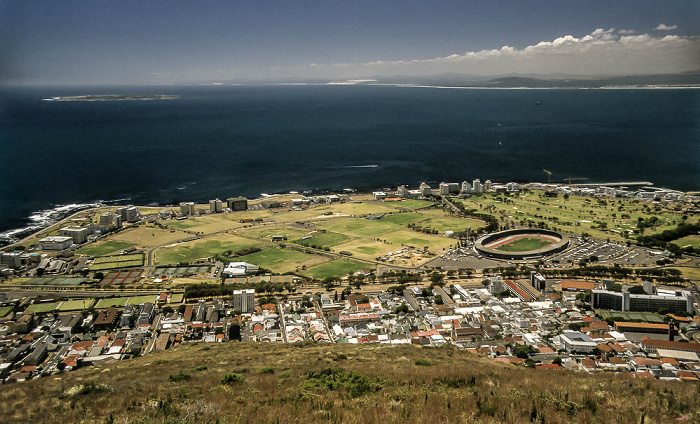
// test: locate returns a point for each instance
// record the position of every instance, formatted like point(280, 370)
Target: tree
point(436, 278)
point(402, 309)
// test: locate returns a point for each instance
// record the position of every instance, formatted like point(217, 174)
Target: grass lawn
point(328, 239)
point(409, 204)
point(4, 310)
point(105, 248)
point(359, 227)
point(116, 301)
point(203, 248)
point(436, 218)
point(41, 308)
point(177, 298)
point(266, 231)
point(336, 268)
point(76, 304)
point(121, 261)
point(692, 273)
point(693, 240)
point(137, 300)
point(419, 240)
point(208, 223)
point(402, 218)
point(148, 236)
point(524, 245)
point(282, 260)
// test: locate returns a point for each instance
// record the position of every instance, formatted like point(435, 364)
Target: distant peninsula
point(111, 97)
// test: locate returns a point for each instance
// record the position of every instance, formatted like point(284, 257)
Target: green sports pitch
point(525, 244)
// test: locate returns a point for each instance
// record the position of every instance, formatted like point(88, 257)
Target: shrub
point(424, 362)
point(352, 382)
point(200, 368)
point(267, 370)
point(285, 374)
point(181, 376)
point(232, 378)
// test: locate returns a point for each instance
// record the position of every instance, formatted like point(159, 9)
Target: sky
point(152, 42)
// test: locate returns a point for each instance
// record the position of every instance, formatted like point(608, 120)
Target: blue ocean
point(222, 141)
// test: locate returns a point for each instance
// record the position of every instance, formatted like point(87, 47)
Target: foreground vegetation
point(248, 382)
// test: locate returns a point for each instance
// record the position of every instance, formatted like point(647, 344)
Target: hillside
point(365, 384)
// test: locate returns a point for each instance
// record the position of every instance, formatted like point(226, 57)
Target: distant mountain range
point(686, 79)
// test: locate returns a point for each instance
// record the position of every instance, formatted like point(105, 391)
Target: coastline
point(74, 209)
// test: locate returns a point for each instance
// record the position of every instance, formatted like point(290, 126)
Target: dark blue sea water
point(221, 141)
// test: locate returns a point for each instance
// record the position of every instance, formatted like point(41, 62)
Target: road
point(283, 325)
point(331, 336)
point(154, 331)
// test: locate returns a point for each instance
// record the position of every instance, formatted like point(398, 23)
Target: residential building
point(244, 300)
point(78, 234)
point(216, 206)
point(55, 243)
point(187, 209)
point(477, 187)
point(466, 187)
point(237, 203)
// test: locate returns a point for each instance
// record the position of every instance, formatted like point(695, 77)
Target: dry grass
point(455, 387)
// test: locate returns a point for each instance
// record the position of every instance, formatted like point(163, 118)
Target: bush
point(285, 374)
point(424, 362)
point(352, 382)
point(200, 368)
point(267, 370)
point(232, 378)
point(181, 376)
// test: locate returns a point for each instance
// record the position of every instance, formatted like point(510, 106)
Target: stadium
point(521, 244)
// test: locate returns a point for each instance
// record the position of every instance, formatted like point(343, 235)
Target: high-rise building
point(107, 219)
point(187, 208)
point(425, 189)
point(444, 189)
point(216, 206)
point(132, 214)
point(237, 203)
point(477, 187)
point(78, 234)
point(538, 281)
point(244, 300)
point(402, 191)
point(466, 187)
point(487, 185)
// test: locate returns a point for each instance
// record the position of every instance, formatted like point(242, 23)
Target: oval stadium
point(523, 243)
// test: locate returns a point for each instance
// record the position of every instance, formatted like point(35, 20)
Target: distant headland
point(111, 97)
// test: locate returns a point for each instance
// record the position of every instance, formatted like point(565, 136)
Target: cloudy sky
point(141, 42)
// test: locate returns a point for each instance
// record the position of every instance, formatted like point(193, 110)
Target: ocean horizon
point(222, 141)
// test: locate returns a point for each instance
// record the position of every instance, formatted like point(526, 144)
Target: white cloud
point(602, 52)
point(664, 27)
point(626, 31)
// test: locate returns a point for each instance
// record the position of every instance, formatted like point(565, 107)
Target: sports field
point(283, 260)
point(4, 310)
point(335, 268)
point(321, 240)
point(113, 302)
point(524, 244)
point(137, 300)
point(105, 248)
point(42, 308)
point(202, 249)
point(121, 261)
point(76, 305)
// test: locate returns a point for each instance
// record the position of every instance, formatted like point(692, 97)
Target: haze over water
point(222, 141)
